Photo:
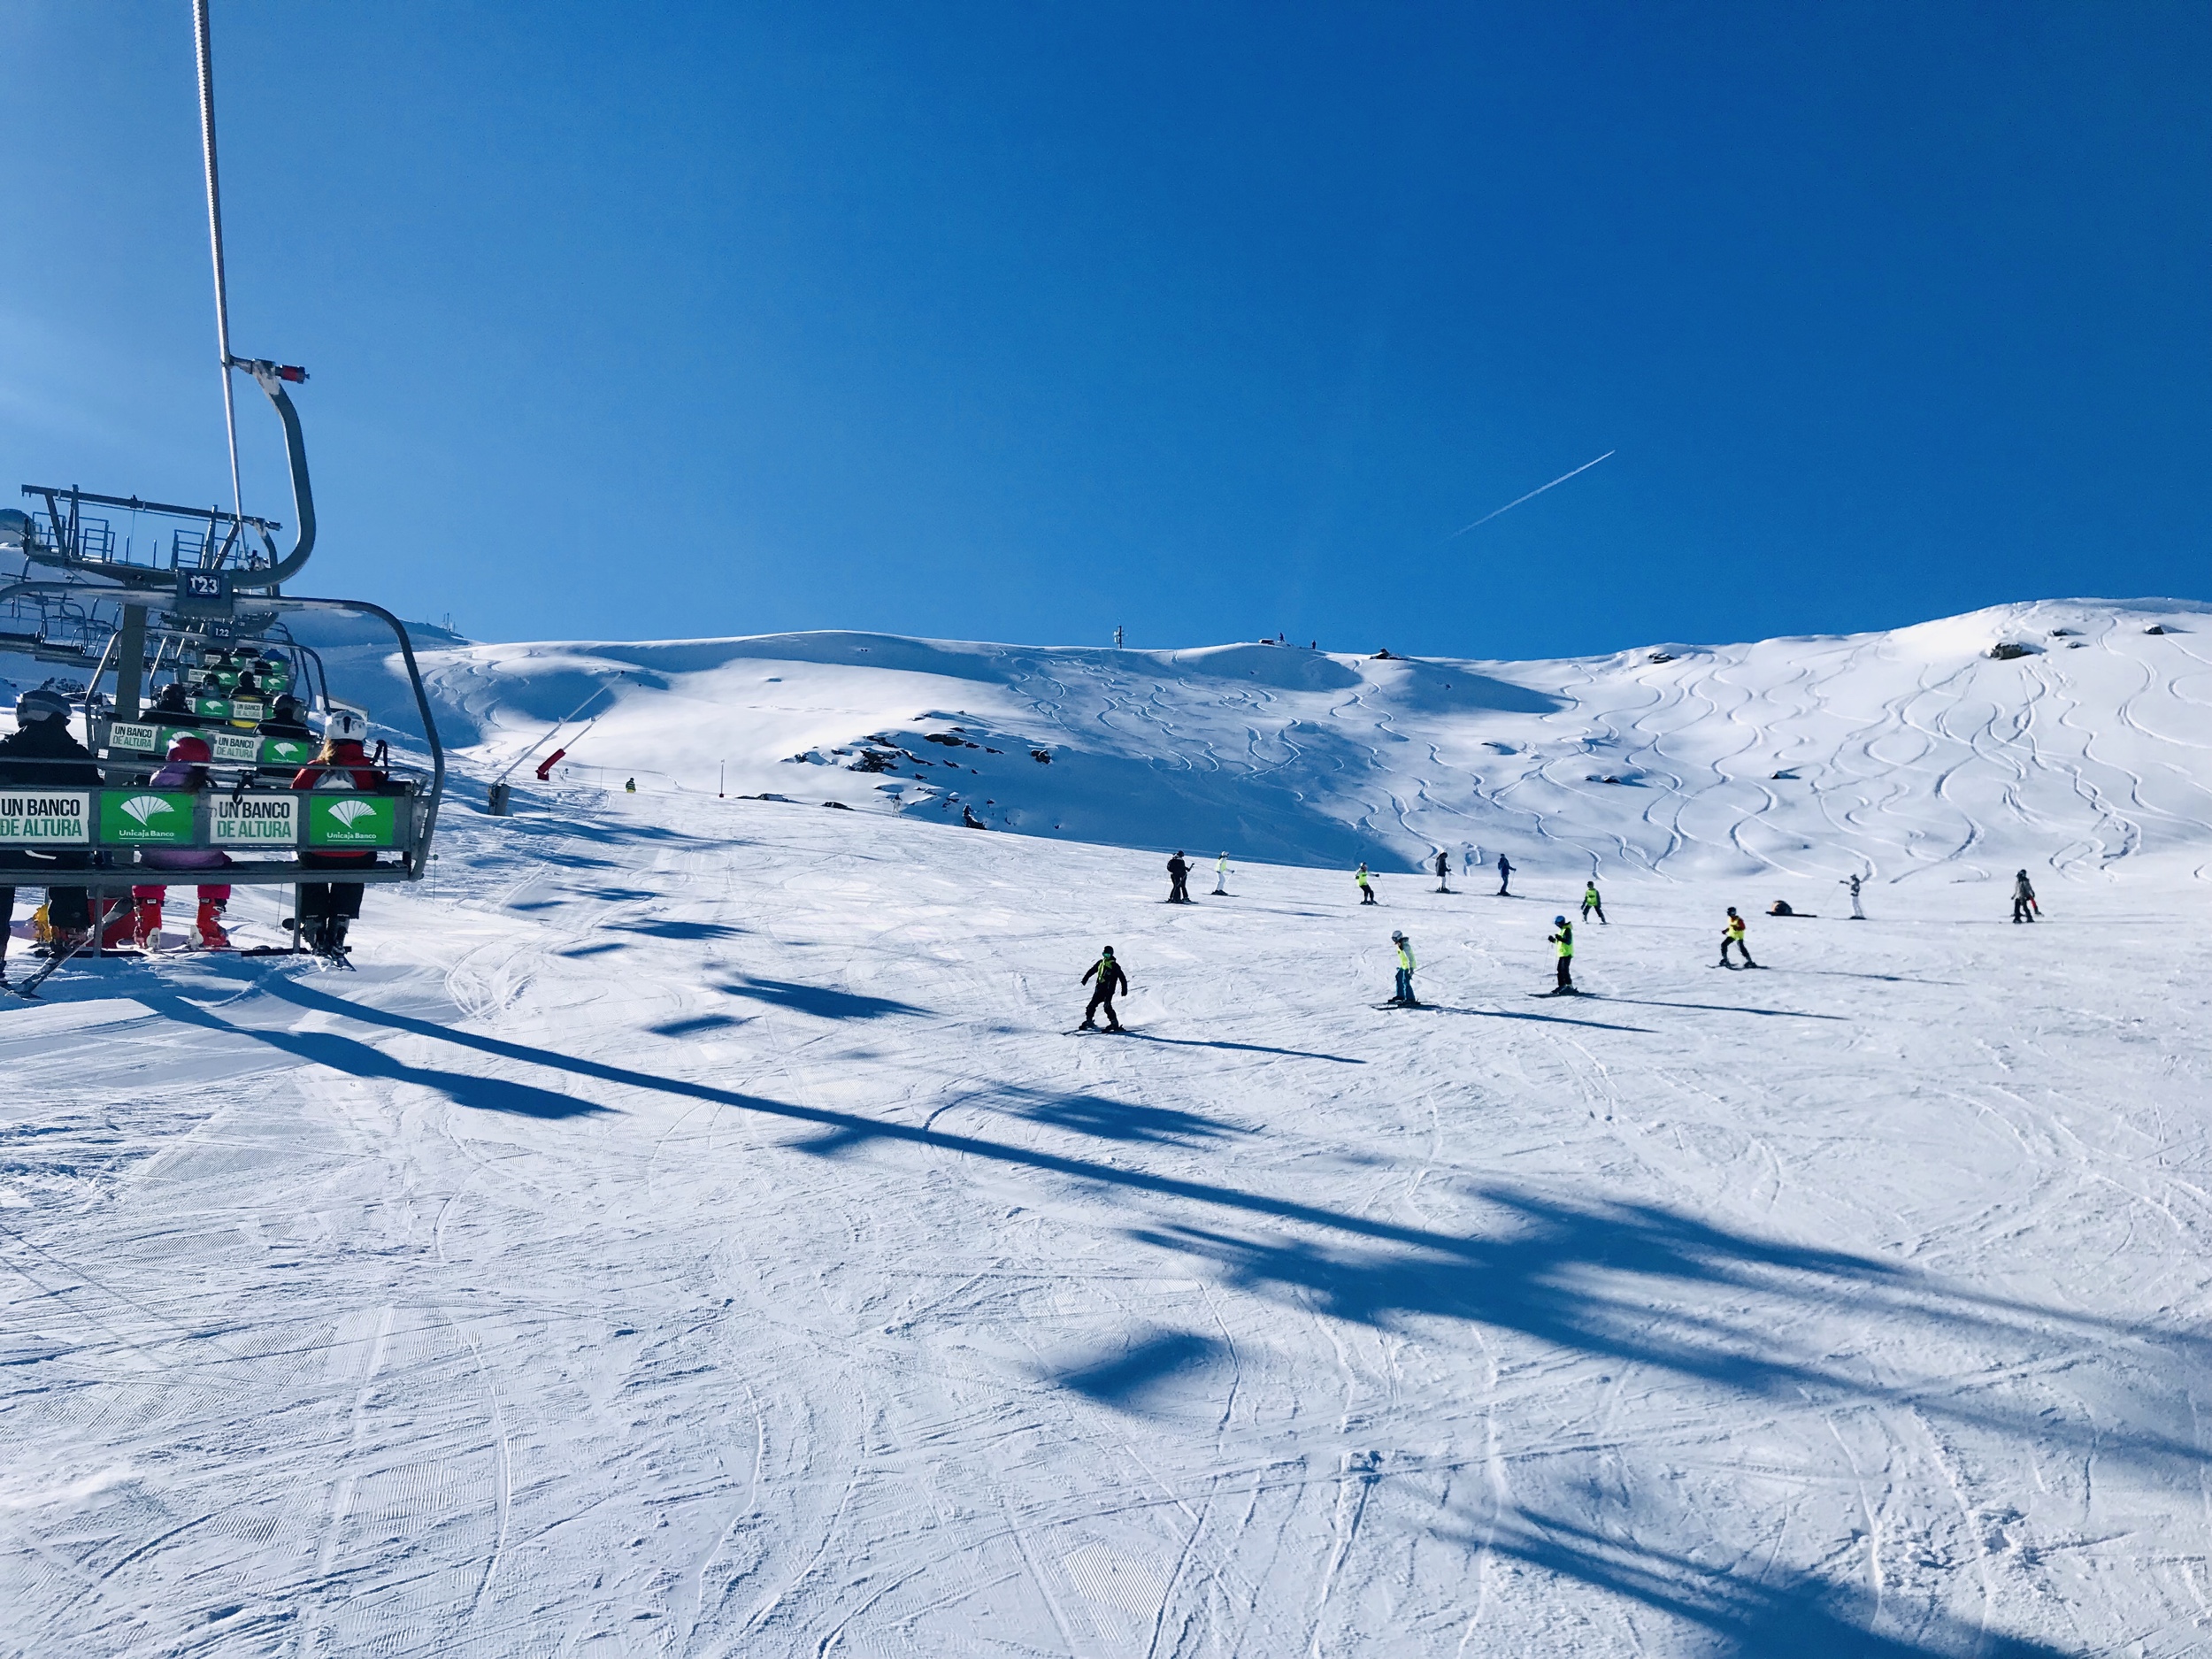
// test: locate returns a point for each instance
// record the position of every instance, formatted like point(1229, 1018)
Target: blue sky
point(1021, 322)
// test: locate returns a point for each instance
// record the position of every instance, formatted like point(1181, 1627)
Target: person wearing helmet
point(1505, 876)
point(1443, 871)
point(187, 770)
point(1179, 879)
point(1564, 939)
point(41, 753)
point(1733, 934)
point(2024, 904)
point(1110, 980)
point(328, 908)
point(1404, 998)
point(1365, 883)
point(1221, 877)
point(173, 706)
point(1591, 901)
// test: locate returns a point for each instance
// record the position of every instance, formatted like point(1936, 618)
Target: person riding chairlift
point(327, 908)
point(140, 924)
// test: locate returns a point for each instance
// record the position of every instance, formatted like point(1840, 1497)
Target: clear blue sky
point(1021, 321)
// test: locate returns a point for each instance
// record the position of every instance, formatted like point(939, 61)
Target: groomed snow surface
point(694, 1231)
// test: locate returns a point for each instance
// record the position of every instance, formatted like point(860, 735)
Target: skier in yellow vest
point(1404, 997)
point(1733, 935)
point(1565, 940)
point(1366, 886)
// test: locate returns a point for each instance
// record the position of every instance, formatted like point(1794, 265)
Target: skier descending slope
point(1366, 886)
point(1564, 939)
point(1221, 877)
point(1857, 915)
point(1177, 880)
point(1443, 872)
point(1110, 980)
point(1733, 934)
point(1505, 877)
point(2023, 905)
point(1404, 997)
point(1591, 901)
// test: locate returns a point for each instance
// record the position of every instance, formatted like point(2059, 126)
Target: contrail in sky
point(1532, 495)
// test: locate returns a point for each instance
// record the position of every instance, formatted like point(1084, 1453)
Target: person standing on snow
point(1857, 915)
point(1565, 940)
point(1443, 871)
point(1403, 996)
point(1591, 901)
point(1505, 876)
point(1221, 877)
point(2024, 904)
point(1366, 886)
point(1177, 880)
point(1733, 934)
point(1110, 980)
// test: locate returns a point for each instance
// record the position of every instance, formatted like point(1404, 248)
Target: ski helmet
point(189, 748)
point(344, 724)
point(1107, 951)
point(40, 702)
point(1558, 921)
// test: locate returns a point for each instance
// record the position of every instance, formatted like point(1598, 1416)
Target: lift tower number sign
point(46, 817)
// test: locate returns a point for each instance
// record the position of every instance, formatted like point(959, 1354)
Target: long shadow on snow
point(1599, 1278)
point(1777, 1614)
point(819, 1000)
point(1125, 1379)
point(1244, 1048)
point(1723, 1007)
point(355, 1058)
point(1120, 1120)
point(1541, 1020)
point(679, 930)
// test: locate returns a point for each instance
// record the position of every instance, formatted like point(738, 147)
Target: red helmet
point(189, 748)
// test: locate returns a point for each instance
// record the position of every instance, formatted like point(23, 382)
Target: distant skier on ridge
point(1110, 980)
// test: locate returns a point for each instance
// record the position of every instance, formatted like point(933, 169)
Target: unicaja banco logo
point(351, 813)
point(143, 808)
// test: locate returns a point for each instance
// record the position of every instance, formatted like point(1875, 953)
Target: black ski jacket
point(1112, 981)
point(43, 755)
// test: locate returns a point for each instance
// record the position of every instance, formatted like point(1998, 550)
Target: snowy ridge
point(1899, 754)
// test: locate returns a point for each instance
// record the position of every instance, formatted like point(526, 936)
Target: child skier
point(1591, 901)
point(1565, 940)
point(1110, 980)
point(1443, 871)
point(1404, 998)
point(2023, 905)
point(1733, 934)
point(1366, 886)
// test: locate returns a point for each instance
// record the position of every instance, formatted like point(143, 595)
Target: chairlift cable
point(215, 241)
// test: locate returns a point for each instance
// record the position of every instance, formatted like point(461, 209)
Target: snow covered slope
point(1902, 754)
point(691, 1233)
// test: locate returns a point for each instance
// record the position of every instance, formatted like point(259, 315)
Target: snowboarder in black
point(1110, 980)
point(1177, 878)
point(1505, 876)
point(2024, 904)
point(1591, 901)
point(40, 754)
point(1443, 871)
point(1565, 940)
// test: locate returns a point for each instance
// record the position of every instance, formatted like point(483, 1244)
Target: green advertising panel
point(140, 740)
point(287, 751)
point(215, 708)
point(146, 817)
point(255, 820)
point(336, 821)
point(234, 749)
point(248, 709)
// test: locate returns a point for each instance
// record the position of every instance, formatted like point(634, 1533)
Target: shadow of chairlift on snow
point(819, 1000)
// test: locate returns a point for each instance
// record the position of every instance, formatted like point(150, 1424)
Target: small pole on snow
point(721, 779)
